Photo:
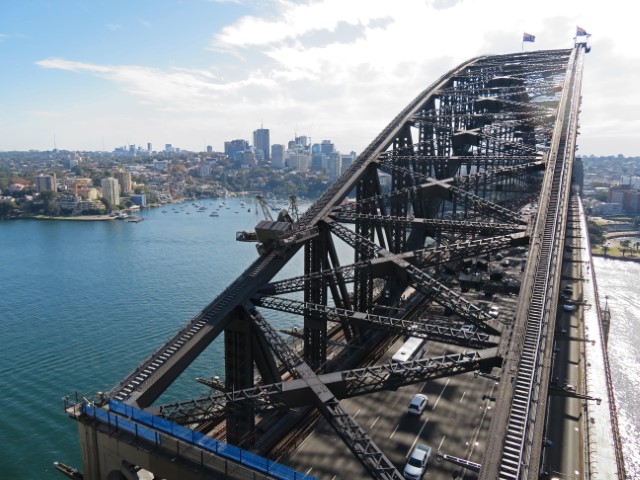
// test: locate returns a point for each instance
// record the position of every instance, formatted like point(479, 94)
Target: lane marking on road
point(462, 397)
point(309, 471)
point(374, 422)
point(356, 414)
point(394, 431)
point(441, 442)
point(441, 393)
point(417, 438)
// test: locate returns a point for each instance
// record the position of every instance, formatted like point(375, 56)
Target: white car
point(417, 462)
point(494, 312)
point(417, 404)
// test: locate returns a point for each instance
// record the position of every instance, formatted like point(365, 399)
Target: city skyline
point(99, 75)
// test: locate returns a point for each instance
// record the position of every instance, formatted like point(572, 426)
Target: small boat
point(213, 214)
point(70, 472)
point(135, 219)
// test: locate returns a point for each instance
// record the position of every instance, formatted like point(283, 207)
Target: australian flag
point(527, 37)
point(581, 32)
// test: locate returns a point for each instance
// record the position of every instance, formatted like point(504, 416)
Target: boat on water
point(213, 214)
point(135, 219)
point(70, 472)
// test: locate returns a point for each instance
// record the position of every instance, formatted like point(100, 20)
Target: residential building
point(46, 182)
point(124, 179)
point(111, 190)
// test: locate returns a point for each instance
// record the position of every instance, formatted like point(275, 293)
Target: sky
point(96, 75)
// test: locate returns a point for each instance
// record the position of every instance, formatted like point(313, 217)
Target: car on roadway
point(417, 404)
point(569, 307)
point(494, 312)
point(417, 462)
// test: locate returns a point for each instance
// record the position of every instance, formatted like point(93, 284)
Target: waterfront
point(84, 302)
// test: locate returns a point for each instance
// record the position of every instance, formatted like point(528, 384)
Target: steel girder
point(441, 225)
point(355, 438)
point(343, 384)
point(425, 257)
point(453, 334)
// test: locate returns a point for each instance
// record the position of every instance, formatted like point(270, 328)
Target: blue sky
point(100, 74)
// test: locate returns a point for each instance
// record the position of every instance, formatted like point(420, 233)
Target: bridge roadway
point(454, 422)
point(466, 177)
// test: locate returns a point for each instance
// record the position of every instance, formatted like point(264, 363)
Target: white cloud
point(349, 67)
point(114, 26)
point(144, 22)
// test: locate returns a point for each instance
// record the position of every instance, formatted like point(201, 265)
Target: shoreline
point(81, 218)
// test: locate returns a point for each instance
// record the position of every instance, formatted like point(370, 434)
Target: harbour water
point(619, 286)
point(82, 303)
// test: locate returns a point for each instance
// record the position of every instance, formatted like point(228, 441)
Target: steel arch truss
point(445, 183)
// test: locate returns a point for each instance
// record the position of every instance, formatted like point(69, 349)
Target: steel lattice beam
point(453, 334)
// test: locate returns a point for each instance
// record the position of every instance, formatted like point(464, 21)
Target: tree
point(6, 207)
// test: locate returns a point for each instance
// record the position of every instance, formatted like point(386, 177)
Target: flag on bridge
point(581, 32)
point(527, 37)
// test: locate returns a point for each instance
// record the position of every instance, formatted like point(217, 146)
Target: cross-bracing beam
point(355, 438)
point(343, 384)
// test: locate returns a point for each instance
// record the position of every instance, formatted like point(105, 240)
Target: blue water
point(82, 303)
point(619, 287)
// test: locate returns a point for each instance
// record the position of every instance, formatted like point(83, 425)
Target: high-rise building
point(209, 149)
point(149, 147)
point(277, 156)
point(111, 190)
point(261, 141)
point(327, 147)
point(235, 146)
point(124, 179)
point(46, 182)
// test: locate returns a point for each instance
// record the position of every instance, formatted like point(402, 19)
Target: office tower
point(261, 141)
point(149, 147)
point(111, 190)
point(235, 146)
point(209, 149)
point(327, 147)
point(347, 160)
point(277, 156)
